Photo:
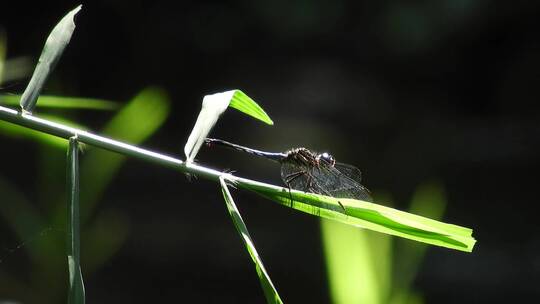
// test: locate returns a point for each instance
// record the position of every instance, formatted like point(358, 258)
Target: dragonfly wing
point(341, 184)
point(350, 171)
point(342, 181)
point(296, 177)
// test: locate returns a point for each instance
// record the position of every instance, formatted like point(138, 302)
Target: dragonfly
point(308, 171)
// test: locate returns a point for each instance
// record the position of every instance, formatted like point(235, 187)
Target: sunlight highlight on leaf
point(372, 216)
point(212, 107)
point(245, 104)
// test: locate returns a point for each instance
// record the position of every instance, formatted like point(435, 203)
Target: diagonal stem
point(60, 130)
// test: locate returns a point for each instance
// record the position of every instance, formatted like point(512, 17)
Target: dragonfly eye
point(326, 158)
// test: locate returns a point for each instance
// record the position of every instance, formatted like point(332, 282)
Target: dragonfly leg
point(324, 192)
point(289, 178)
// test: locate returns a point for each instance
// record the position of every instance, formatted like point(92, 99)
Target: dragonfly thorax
point(306, 157)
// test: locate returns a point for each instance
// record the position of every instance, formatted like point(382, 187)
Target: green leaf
point(429, 199)
point(372, 216)
point(52, 51)
point(76, 285)
point(352, 258)
point(137, 121)
point(3, 50)
point(245, 104)
point(270, 291)
point(212, 107)
point(358, 263)
point(64, 102)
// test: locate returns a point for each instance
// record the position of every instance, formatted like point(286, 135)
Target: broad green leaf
point(352, 275)
point(358, 263)
point(76, 285)
point(52, 51)
point(245, 104)
point(270, 291)
point(372, 216)
point(63, 102)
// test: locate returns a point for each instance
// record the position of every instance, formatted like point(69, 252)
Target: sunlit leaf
point(212, 107)
point(351, 274)
point(245, 104)
point(372, 216)
point(52, 51)
point(134, 123)
point(270, 291)
point(358, 263)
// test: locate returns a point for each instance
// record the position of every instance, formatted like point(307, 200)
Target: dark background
point(408, 91)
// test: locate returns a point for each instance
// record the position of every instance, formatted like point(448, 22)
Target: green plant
point(349, 211)
point(365, 267)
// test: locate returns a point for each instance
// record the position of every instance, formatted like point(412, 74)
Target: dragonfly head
point(326, 158)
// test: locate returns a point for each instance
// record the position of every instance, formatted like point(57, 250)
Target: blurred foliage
point(61, 102)
point(374, 268)
point(31, 225)
point(2, 53)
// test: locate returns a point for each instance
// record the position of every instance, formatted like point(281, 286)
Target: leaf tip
point(243, 103)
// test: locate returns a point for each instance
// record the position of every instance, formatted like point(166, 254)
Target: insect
point(305, 170)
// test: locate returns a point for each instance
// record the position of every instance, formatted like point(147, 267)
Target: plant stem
point(60, 130)
point(358, 213)
point(76, 285)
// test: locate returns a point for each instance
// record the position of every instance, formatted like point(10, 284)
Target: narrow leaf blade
point(270, 291)
point(76, 285)
point(65, 102)
point(2, 54)
point(52, 51)
point(371, 216)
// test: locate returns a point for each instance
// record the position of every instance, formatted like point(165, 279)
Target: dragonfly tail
point(268, 155)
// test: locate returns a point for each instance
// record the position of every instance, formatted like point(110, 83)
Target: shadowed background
point(408, 91)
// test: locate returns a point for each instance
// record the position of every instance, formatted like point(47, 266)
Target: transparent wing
point(350, 171)
point(341, 181)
